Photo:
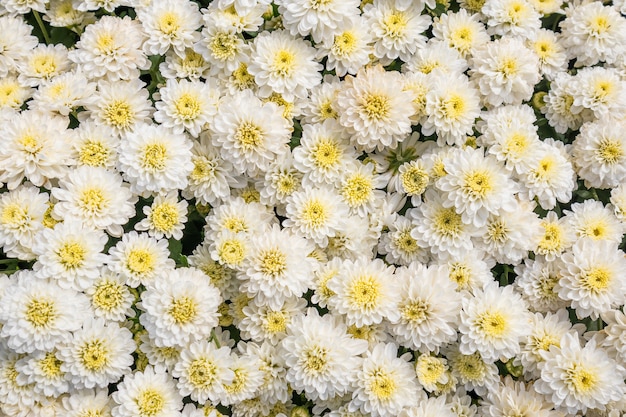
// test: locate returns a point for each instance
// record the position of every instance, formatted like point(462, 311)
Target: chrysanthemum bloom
point(599, 90)
point(599, 153)
point(319, 106)
point(280, 181)
point(97, 197)
point(577, 378)
point(165, 217)
point(151, 393)
point(505, 71)
point(321, 356)
point(169, 24)
point(43, 63)
point(15, 397)
point(513, 397)
point(591, 277)
point(468, 271)
point(618, 201)
point(250, 132)
point(348, 49)
point(592, 33)
point(558, 105)
point(42, 370)
point(16, 41)
point(373, 111)
point(86, 402)
point(385, 384)
point(13, 94)
point(433, 373)
point(155, 159)
point(511, 17)
point(283, 64)
point(98, 354)
point(551, 53)
point(472, 371)
point(493, 322)
point(262, 323)
point(63, 93)
point(38, 314)
point(537, 282)
point(111, 48)
point(436, 55)
point(399, 247)
point(274, 387)
point(612, 339)
point(461, 31)
point(180, 307)
point(557, 236)
point(110, 297)
point(594, 220)
point(432, 406)
point(189, 64)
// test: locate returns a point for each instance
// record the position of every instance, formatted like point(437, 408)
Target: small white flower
point(169, 24)
point(165, 217)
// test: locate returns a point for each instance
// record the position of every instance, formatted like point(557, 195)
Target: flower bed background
point(312, 207)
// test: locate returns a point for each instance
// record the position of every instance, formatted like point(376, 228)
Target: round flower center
point(580, 380)
point(414, 180)
point(202, 373)
point(552, 237)
point(609, 151)
point(9, 95)
point(447, 222)
point(357, 190)
point(453, 106)
point(241, 78)
point(544, 49)
point(429, 370)
point(362, 333)
point(322, 284)
point(516, 11)
point(50, 366)
point(497, 231)
point(516, 144)
point(405, 242)
point(315, 360)
point(164, 217)
point(327, 111)
point(492, 324)
point(462, 38)
point(249, 136)
point(231, 251)
point(542, 343)
point(284, 63)
point(602, 89)
point(286, 183)
point(275, 322)
point(545, 286)
point(395, 24)
point(187, 106)
point(15, 216)
point(599, 25)
point(344, 44)
point(596, 279)
point(223, 45)
point(94, 355)
point(319, 4)
point(314, 213)
point(105, 43)
point(326, 153)
point(92, 200)
point(235, 224)
point(44, 66)
point(150, 402)
point(203, 169)
point(273, 262)
point(376, 106)
point(471, 367)
point(108, 295)
point(140, 261)
point(596, 229)
point(365, 292)
point(154, 157)
point(41, 313)
point(169, 23)
point(415, 311)
point(477, 184)
point(119, 114)
point(460, 274)
point(94, 153)
point(183, 310)
point(508, 67)
point(30, 144)
point(382, 385)
point(545, 168)
point(239, 381)
point(192, 63)
point(71, 255)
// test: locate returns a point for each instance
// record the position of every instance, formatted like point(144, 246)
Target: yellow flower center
point(609, 151)
point(508, 67)
point(235, 224)
point(30, 144)
point(516, 144)
point(275, 322)
point(154, 157)
point(344, 44)
point(249, 136)
point(94, 153)
point(545, 169)
point(169, 23)
point(362, 333)
point(223, 46)
point(516, 11)
point(241, 78)
point(327, 111)
point(108, 295)
point(202, 373)
point(602, 89)
point(15, 216)
point(326, 153)
point(150, 402)
point(365, 292)
point(462, 38)
point(322, 284)
point(382, 386)
point(453, 106)
point(44, 66)
point(376, 106)
point(357, 190)
point(497, 231)
point(429, 370)
point(250, 195)
point(92, 200)
point(71, 255)
point(544, 49)
point(317, 4)
point(140, 261)
point(478, 184)
point(188, 106)
point(596, 229)
point(49, 221)
point(164, 217)
point(599, 25)
point(239, 381)
point(105, 44)
point(231, 251)
point(183, 310)
point(315, 360)
point(552, 237)
point(395, 24)
point(460, 274)
point(415, 311)
point(447, 222)
point(492, 323)
point(119, 113)
point(314, 214)
point(50, 366)
point(597, 279)
point(9, 94)
point(471, 367)
point(41, 313)
point(192, 62)
point(405, 242)
point(286, 183)
point(94, 355)
point(581, 380)
point(203, 169)
point(414, 180)
point(284, 63)
point(273, 262)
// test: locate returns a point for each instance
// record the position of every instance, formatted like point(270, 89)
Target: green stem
point(8, 261)
point(44, 31)
point(215, 340)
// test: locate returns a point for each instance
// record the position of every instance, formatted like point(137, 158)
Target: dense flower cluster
point(334, 208)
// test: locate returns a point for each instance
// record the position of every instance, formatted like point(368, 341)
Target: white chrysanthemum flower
point(21, 217)
point(97, 197)
point(151, 393)
point(203, 370)
point(70, 253)
point(576, 378)
point(62, 13)
point(98, 354)
point(43, 370)
point(108, 5)
point(461, 31)
point(349, 48)
point(505, 71)
point(187, 105)
point(120, 105)
point(594, 220)
point(385, 384)
point(230, 248)
point(166, 216)
point(321, 277)
point(243, 15)
point(280, 181)
point(111, 48)
point(284, 64)
point(433, 374)
point(515, 144)
point(189, 64)
point(169, 24)
point(80, 403)
point(599, 153)
point(320, 105)
point(472, 371)
point(396, 30)
point(476, 185)
point(140, 259)
point(13, 94)
point(452, 106)
point(436, 55)
point(593, 32)
point(223, 48)
point(155, 159)
point(429, 307)
point(110, 298)
point(15, 42)
point(38, 314)
point(315, 213)
point(35, 147)
point(430, 407)
point(511, 17)
point(321, 19)
point(15, 397)
point(372, 110)
point(236, 215)
point(552, 56)
point(277, 266)
point(493, 322)
point(321, 356)
point(250, 132)
point(263, 323)
point(43, 63)
point(537, 282)
point(63, 93)
point(366, 292)
point(599, 90)
point(167, 356)
point(515, 397)
point(357, 237)
point(557, 236)
point(468, 271)
point(180, 307)
point(612, 339)
point(361, 188)
point(547, 331)
point(249, 376)
point(274, 387)
point(399, 247)
point(558, 105)
point(592, 278)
